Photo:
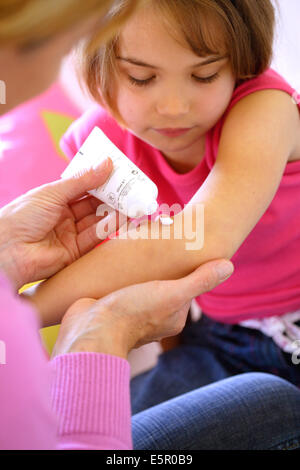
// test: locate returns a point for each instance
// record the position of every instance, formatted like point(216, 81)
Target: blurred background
point(287, 41)
point(35, 128)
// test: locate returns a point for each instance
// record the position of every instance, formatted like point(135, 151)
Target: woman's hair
point(28, 23)
point(247, 33)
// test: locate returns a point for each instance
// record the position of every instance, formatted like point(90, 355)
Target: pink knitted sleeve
point(76, 401)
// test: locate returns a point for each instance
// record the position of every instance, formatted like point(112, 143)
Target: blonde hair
point(27, 22)
point(247, 28)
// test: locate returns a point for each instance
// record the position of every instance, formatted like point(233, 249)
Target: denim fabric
point(251, 411)
point(210, 352)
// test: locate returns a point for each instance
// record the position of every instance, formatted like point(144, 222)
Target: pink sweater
point(76, 401)
point(266, 280)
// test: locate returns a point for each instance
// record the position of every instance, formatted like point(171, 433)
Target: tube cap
point(152, 207)
point(144, 206)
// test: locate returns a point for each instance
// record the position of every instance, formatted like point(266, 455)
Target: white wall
point(287, 42)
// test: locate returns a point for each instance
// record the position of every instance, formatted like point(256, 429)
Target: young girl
point(186, 92)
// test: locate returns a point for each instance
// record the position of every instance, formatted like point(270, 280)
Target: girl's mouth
point(173, 132)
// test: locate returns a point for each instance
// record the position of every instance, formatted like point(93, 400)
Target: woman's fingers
point(86, 222)
point(85, 206)
point(72, 188)
point(92, 230)
point(203, 279)
point(89, 205)
point(208, 276)
point(88, 239)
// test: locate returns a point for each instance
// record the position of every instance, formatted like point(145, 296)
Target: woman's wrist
point(108, 337)
point(108, 346)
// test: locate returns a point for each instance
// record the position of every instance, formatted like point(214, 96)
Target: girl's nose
point(172, 104)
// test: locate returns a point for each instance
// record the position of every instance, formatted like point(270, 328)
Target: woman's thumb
point(208, 276)
point(84, 180)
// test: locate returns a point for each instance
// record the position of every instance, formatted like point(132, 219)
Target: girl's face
point(163, 87)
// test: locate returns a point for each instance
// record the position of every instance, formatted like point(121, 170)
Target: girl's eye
point(137, 82)
point(145, 82)
point(210, 79)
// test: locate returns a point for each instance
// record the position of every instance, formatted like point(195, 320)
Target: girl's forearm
point(253, 152)
point(160, 253)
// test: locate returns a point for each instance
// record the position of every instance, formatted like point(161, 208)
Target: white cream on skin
point(127, 189)
point(164, 220)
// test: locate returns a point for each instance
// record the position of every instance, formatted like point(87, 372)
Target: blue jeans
point(251, 411)
point(210, 352)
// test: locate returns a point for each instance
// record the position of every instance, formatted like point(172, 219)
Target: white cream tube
point(127, 189)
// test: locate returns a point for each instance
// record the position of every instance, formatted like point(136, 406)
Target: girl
point(187, 93)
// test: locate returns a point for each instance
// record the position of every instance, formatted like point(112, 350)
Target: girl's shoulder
point(269, 80)
point(83, 126)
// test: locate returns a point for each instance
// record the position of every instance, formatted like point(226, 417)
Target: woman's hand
point(135, 315)
point(48, 228)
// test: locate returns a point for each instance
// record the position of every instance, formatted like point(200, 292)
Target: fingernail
point(224, 270)
point(100, 167)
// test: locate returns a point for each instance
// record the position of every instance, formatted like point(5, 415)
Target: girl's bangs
point(194, 26)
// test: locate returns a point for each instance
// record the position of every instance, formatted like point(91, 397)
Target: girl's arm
point(258, 137)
